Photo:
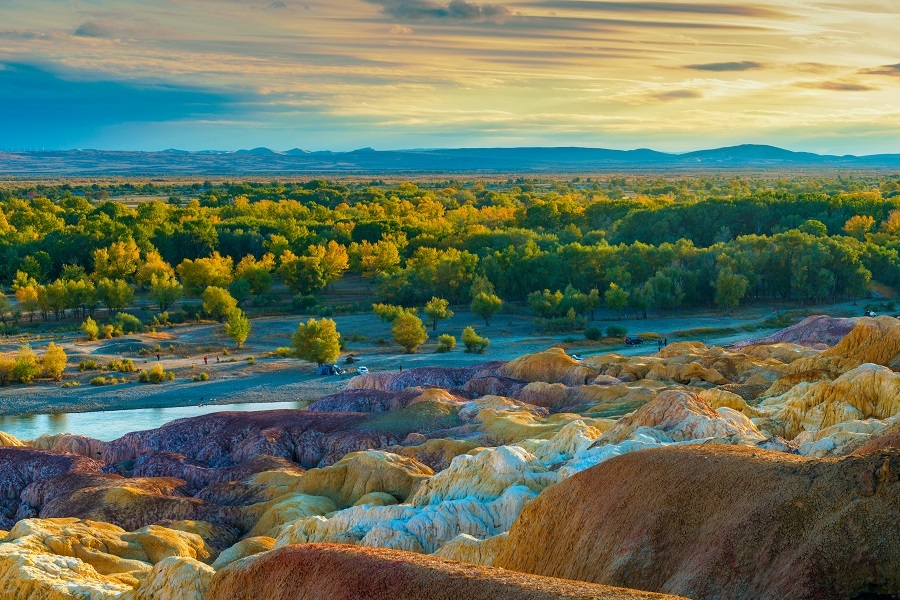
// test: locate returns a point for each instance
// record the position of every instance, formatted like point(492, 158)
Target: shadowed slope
point(325, 571)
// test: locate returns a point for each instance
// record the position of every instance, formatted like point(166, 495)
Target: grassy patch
point(421, 417)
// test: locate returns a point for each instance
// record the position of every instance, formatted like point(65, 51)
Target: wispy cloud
point(744, 65)
point(455, 10)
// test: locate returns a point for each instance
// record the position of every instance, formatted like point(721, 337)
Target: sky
point(813, 75)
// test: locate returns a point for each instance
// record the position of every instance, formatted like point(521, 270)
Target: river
point(112, 424)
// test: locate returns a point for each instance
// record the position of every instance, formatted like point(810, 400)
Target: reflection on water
point(112, 424)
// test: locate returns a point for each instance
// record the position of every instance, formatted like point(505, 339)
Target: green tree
point(616, 299)
point(54, 361)
point(730, 290)
point(5, 305)
point(238, 327)
point(119, 261)
point(199, 274)
point(153, 266)
point(258, 273)
point(317, 341)
point(27, 297)
point(218, 303)
point(486, 306)
point(90, 329)
point(473, 342)
point(437, 309)
point(26, 367)
point(240, 290)
point(409, 332)
point(115, 294)
point(165, 291)
point(446, 343)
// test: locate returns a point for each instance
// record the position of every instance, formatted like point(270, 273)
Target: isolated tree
point(486, 306)
point(317, 341)
point(437, 309)
point(730, 289)
point(218, 303)
point(409, 332)
point(165, 291)
point(90, 329)
point(54, 361)
point(473, 342)
point(238, 327)
point(26, 367)
point(616, 299)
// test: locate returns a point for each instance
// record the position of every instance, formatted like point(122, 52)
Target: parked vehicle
point(326, 370)
point(576, 357)
point(362, 370)
point(633, 340)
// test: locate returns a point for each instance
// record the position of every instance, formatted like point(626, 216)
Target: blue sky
point(819, 75)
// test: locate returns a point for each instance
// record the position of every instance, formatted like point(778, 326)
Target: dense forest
point(633, 244)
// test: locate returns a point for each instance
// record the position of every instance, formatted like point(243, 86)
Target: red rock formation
point(169, 464)
point(330, 571)
point(720, 522)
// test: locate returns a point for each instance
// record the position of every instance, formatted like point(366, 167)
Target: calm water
point(112, 424)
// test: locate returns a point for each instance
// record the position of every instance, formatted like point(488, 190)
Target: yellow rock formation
point(174, 578)
point(469, 549)
point(875, 341)
point(550, 366)
point(244, 548)
point(866, 392)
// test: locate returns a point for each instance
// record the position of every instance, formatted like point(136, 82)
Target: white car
point(362, 370)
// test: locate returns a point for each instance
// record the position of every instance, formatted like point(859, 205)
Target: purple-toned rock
point(21, 467)
point(816, 331)
point(365, 400)
point(494, 385)
point(444, 377)
point(170, 464)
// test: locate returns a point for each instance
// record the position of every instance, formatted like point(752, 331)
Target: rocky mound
point(550, 366)
point(444, 377)
point(720, 522)
point(875, 341)
point(866, 392)
point(814, 331)
point(226, 439)
point(325, 572)
point(21, 467)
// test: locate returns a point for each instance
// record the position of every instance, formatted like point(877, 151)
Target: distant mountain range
point(470, 161)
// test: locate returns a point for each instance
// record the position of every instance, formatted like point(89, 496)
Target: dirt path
point(235, 379)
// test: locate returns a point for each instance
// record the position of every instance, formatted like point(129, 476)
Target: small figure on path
point(206, 360)
point(401, 368)
point(217, 359)
point(157, 357)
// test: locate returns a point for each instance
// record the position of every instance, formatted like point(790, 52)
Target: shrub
point(108, 332)
point(90, 329)
point(26, 368)
point(616, 331)
point(126, 323)
point(98, 380)
point(70, 384)
point(54, 361)
point(88, 364)
point(356, 336)
point(251, 360)
point(303, 302)
point(155, 374)
point(446, 343)
point(593, 333)
point(201, 377)
point(283, 352)
point(125, 365)
point(474, 342)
